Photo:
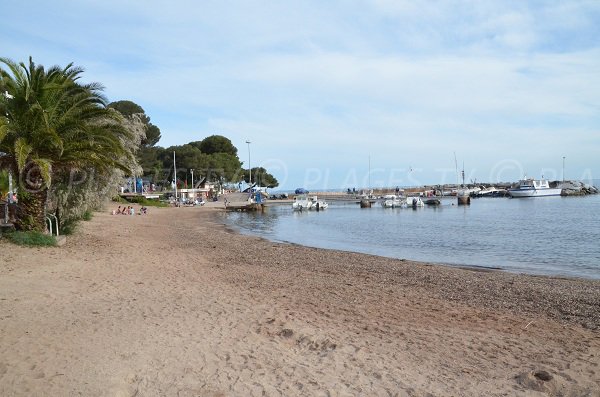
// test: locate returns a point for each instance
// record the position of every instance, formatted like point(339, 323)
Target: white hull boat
point(304, 203)
point(301, 203)
point(393, 201)
point(534, 188)
point(318, 205)
point(415, 202)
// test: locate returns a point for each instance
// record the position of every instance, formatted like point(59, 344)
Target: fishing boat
point(530, 187)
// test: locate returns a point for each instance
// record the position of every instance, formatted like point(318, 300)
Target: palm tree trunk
point(31, 213)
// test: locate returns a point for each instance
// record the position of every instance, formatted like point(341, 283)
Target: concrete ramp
point(237, 198)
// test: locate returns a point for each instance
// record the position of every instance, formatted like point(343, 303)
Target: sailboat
point(365, 202)
point(462, 194)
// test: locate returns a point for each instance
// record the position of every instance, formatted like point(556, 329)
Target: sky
point(342, 94)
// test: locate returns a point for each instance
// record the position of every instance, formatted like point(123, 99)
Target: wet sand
point(174, 304)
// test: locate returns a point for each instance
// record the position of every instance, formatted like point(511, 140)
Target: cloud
point(326, 84)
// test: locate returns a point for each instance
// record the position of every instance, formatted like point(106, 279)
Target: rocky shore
point(173, 303)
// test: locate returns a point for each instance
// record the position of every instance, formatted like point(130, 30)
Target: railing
point(49, 221)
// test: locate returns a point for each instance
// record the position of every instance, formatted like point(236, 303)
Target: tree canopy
point(216, 144)
point(214, 158)
point(131, 110)
point(261, 177)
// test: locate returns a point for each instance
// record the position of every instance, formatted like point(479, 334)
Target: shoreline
point(174, 303)
point(444, 264)
point(524, 284)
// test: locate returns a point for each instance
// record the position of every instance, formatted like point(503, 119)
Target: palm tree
point(50, 123)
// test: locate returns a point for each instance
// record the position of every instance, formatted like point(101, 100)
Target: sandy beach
point(174, 304)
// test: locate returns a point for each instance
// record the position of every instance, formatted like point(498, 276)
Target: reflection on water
point(549, 235)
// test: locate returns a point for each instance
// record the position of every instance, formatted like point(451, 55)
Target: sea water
point(542, 235)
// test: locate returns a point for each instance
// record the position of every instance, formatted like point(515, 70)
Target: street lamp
point(249, 166)
point(193, 192)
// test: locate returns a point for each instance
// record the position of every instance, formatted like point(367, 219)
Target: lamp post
point(193, 191)
point(563, 169)
point(249, 166)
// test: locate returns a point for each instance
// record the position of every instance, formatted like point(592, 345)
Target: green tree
point(50, 124)
point(216, 144)
point(131, 109)
point(261, 177)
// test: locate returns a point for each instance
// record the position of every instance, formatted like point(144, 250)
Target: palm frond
point(22, 151)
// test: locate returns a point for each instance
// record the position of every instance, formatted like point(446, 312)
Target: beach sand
point(174, 304)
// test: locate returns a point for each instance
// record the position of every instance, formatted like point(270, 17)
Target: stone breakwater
point(576, 188)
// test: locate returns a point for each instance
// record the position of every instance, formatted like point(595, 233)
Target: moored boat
point(301, 203)
point(317, 204)
point(530, 187)
point(432, 201)
point(393, 201)
point(415, 202)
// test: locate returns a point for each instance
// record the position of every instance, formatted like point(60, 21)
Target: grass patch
point(141, 200)
point(31, 239)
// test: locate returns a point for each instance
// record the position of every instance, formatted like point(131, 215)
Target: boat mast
point(456, 167)
point(369, 187)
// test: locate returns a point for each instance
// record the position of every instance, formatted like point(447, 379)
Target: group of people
point(129, 210)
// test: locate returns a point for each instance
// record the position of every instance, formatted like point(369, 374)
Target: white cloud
point(324, 84)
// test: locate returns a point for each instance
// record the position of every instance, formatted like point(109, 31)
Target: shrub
point(87, 215)
point(68, 226)
point(119, 199)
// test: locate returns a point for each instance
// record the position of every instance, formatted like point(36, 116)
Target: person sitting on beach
point(125, 211)
point(118, 211)
point(132, 211)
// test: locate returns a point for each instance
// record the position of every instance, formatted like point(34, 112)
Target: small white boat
point(489, 192)
point(312, 203)
point(393, 201)
point(414, 202)
point(301, 203)
point(530, 187)
point(317, 205)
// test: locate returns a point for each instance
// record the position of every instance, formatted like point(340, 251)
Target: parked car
point(301, 190)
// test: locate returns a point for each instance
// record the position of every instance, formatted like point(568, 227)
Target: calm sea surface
point(544, 235)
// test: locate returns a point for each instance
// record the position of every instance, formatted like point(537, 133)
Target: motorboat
point(304, 202)
point(530, 187)
point(414, 202)
point(317, 204)
point(301, 203)
point(432, 201)
point(491, 191)
point(393, 201)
